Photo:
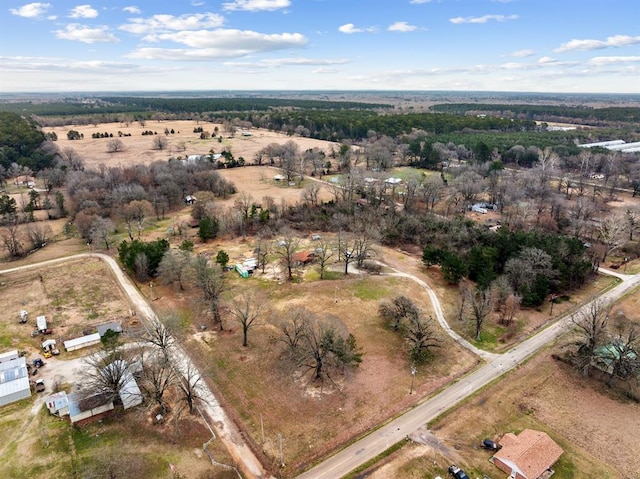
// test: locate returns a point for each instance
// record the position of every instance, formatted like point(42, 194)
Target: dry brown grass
point(261, 390)
point(138, 149)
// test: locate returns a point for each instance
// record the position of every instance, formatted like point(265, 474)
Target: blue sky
point(488, 45)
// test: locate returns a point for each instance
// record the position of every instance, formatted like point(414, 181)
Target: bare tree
point(213, 284)
point(160, 334)
point(262, 250)
point(114, 145)
point(591, 325)
point(324, 252)
point(480, 307)
point(38, 234)
point(612, 233)
point(322, 345)
point(397, 310)
point(632, 217)
point(421, 334)
point(246, 308)
point(10, 234)
point(159, 142)
point(106, 373)
point(176, 265)
point(158, 376)
point(285, 250)
point(310, 193)
point(100, 230)
point(188, 381)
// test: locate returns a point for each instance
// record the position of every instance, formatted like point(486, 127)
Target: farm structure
point(528, 455)
point(82, 342)
point(14, 378)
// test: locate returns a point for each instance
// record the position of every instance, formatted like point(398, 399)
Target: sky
point(566, 46)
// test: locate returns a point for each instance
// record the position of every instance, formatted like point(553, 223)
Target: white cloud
point(547, 60)
point(221, 43)
point(483, 19)
point(614, 41)
point(280, 62)
point(164, 23)
point(401, 27)
point(132, 10)
point(351, 28)
point(84, 34)
point(419, 2)
point(522, 53)
point(256, 5)
point(31, 10)
point(600, 61)
point(83, 11)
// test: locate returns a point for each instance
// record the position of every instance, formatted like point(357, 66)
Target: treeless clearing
point(138, 149)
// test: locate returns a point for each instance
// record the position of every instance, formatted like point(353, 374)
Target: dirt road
point(225, 429)
point(383, 438)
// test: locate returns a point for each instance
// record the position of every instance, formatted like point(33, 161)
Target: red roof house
point(527, 455)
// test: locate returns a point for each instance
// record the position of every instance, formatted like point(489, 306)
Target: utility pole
point(413, 376)
point(281, 455)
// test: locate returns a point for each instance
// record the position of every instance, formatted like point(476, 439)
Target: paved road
point(381, 439)
point(225, 429)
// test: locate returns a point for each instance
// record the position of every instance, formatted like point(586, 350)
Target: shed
point(527, 455)
point(393, 181)
point(57, 403)
point(14, 378)
point(49, 344)
point(113, 326)
point(41, 323)
point(279, 177)
point(82, 342)
point(189, 199)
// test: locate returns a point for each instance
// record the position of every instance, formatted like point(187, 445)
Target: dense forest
point(22, 142)
point(548, 112)
point(145, 106)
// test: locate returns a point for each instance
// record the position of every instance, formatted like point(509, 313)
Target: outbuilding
point(82, 342)
point(14, 378)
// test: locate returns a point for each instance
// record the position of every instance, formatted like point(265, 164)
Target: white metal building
point(82, 342)
point(14, 378)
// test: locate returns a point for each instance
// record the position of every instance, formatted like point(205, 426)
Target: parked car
point(490, 445)
point(39, 385)
point(38, 362)
point(457, 473)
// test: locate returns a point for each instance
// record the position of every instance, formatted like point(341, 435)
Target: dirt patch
point(74, 297)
